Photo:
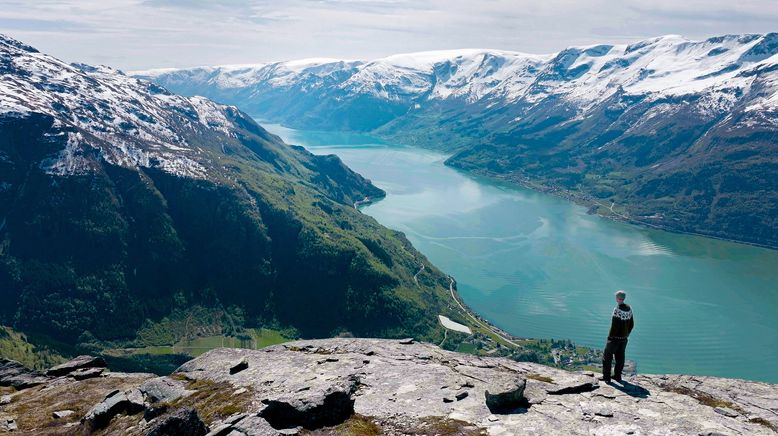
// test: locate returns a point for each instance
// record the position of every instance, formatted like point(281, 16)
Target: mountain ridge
point(675, 133)
point(120, 201)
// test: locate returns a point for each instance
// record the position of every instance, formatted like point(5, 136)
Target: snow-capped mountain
point(101, 111)
point(682, 134)
point(722, 68)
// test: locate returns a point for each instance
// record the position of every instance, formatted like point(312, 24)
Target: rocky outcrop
point(183, 422)
point(344, 386)
point(57, 405)
point(15, 375)
point(402, 382)
point(163, 390)
point(129, 402)
point(79, 363)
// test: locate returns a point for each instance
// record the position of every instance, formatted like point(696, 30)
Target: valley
point(295, 230)
point(679, 134)
point(134, 218)
point(388, 217)
point(538, 266)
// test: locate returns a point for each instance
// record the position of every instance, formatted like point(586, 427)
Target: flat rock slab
point(163, 390)
point(255, 426)
point(74, 364)
point(755, 401)
point(402, 381)
point(85, 373)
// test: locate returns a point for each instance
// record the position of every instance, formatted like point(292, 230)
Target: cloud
point(198, 4)
point(42, 25)
point(177, 33)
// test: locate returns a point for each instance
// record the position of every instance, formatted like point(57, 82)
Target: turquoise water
point(539, 266)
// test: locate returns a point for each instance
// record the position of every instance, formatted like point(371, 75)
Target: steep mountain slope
point(120, 201)
point(674, 133)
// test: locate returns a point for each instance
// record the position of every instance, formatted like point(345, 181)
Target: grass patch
point(466, 347)
point(33, 408)
point(447, 427)
point(704, 398)
point(253, 339)
point(358, 425)
point(214, 400)
point(15, 346)
point(267, 337)
point(765, 423)
point(539, 377)
point(594, 369)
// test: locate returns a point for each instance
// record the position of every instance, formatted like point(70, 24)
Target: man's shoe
point(618, 379)
point(605, 379)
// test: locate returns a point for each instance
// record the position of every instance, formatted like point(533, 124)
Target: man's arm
point(631, 323)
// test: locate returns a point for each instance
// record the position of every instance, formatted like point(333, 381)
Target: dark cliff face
point(120, 201)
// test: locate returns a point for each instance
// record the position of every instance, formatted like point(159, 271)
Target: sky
point(141, 34)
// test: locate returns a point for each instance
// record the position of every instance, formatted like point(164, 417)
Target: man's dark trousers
point(614, 347)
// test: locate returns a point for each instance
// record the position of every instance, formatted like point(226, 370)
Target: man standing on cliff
point(622, 323)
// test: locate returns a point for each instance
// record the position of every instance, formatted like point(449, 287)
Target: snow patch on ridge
point(668, 66)
point(123, 120)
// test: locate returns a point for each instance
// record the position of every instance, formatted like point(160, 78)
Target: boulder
point(505, 398)
point(311, 409)
point(154, 410)
point(239, 366)
point(62, 414)
point(85, 373)
point(8, 424)
point(407, 383)
point(16, 375)
point(726, 411)
point(182, 422)
point(130, 402)
point(74, 364)
point(162, 389)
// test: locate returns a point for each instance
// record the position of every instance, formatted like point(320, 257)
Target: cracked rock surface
point(408, 382)
point(392, 387)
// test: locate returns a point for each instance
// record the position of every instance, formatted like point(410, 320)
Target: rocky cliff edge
point(372, 387)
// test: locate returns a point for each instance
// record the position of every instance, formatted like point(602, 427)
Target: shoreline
point(579, 198)
point(572, 196)
point(538, 334)
point(507, 337)
point(582, 199)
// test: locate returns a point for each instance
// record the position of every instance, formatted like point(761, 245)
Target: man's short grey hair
point(621, 294)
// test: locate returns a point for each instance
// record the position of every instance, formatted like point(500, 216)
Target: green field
point(260, 338)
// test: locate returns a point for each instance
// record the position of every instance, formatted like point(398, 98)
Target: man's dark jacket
point(622, 322)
